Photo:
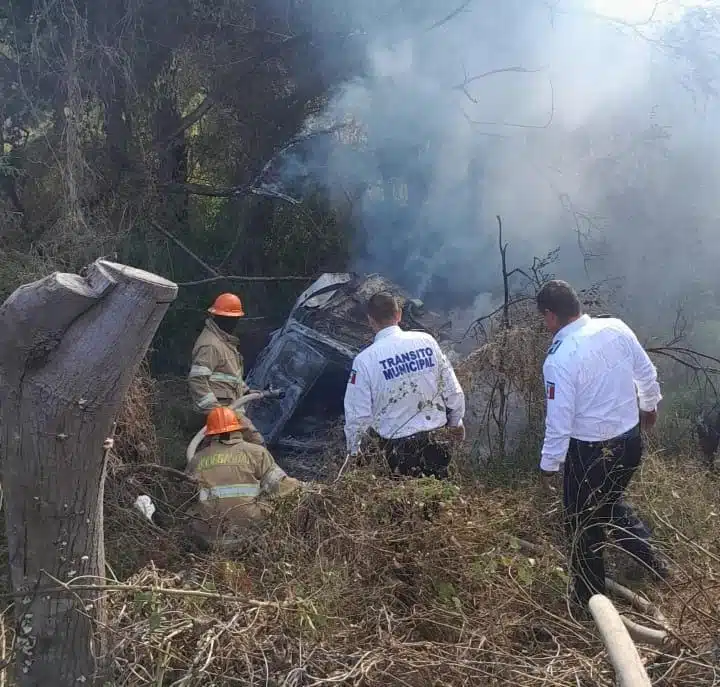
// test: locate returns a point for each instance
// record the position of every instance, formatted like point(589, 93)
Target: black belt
point(632, 433)
point(409, 437)
point(417, 436)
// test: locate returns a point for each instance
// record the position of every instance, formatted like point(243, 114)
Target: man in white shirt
point(403, 387)
point(596, 375)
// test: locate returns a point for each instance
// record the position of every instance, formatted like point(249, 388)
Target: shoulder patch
point(550, 390)
point(353, 376)
point(554, 346)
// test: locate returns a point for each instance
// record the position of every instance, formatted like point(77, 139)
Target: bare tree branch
point(693, 359)
point(505, 275)
point(477, 324)
point(205, 190)
point(243, 278)
point(515, 125)
point(180, 244)
point(188, 121)
point(503, 70)
point(451, 16)
point(257, 186)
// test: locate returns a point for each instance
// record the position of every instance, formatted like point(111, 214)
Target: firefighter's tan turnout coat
point(217, 375)
point(237, 482)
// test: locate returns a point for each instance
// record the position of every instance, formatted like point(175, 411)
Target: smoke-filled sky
point(586, 124)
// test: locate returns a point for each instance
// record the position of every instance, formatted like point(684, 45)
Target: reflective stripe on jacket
point(216, 375)
point(233, 475)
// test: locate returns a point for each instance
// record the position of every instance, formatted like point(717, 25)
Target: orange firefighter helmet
point(221, 421)
point(227, 305)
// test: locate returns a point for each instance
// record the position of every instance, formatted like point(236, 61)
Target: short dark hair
point(383, 307)
point(558, 297)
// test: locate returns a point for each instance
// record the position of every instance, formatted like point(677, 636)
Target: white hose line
point(645, 635)
point(629, 669)
point(235, 405)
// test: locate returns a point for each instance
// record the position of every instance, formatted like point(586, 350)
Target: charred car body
point(310, 357)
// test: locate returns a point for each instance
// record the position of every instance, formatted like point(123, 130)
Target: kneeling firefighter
point(237, 481)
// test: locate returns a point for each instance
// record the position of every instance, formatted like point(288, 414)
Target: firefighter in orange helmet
point(237, 481)
point(216, 376)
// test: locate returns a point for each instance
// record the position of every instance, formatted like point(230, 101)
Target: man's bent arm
point(560, 399)
point(358, 406)
point(452, 393)
point(644, 375)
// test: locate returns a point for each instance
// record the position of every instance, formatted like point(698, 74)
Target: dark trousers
point(595, 477)
point(420, 454)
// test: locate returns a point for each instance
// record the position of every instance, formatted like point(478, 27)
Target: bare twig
point(180, 244)
point(503, 70)
point(70, 587)
point(505, 275)
point(188, 121)
point(244, 278)
point(131, 467)
point(515, 125)
point(450, 16)
point(256, 186)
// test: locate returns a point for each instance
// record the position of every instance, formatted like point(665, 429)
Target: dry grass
point(369, 581)
point(516, 354)
point(505, 396)
point(135, 436)
point(134, 468)
point(379, 582)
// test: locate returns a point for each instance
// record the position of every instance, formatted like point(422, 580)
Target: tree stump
point(69, 349)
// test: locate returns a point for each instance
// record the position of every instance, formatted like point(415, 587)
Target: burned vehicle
point(310, 357)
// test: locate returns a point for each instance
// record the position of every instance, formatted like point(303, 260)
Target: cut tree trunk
point(69, 349)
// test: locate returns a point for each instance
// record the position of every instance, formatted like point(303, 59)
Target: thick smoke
point(589, 125)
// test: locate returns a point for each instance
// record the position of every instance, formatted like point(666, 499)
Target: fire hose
point(623, 653)
point(235, 405)
point(618, 632)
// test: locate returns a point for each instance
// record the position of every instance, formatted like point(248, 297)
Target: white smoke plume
point(589, 125)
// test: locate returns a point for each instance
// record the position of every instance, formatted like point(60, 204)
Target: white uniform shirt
point(400, 385)
point(596, 373)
